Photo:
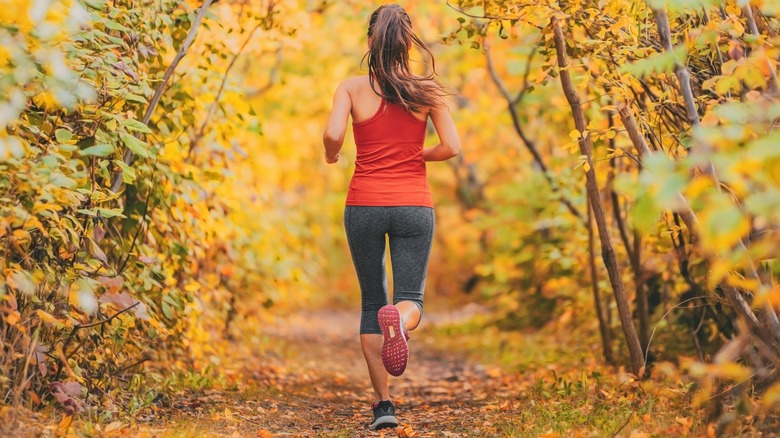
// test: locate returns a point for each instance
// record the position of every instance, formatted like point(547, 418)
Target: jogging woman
point(389, 193)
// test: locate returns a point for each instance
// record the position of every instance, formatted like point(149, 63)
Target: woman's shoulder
point(354, 82)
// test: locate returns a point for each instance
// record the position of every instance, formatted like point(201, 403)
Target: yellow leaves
point(731, 371)
point(685, 422)
point(21, 236)
point(406, 430)
point(614, 152)
point(46, 100)
point(114, 426)
point(493, 372)
point(47, 318)
point(768, 295)
point(584, 162)
point(723, 224)
point(12, 317)
point(81, 294)
point(17, 12)
point(710, 119)
point(771, 398)
point(65, 423)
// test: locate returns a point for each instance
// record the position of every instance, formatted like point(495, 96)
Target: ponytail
point(390, 38)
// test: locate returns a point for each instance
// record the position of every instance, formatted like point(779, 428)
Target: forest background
point(164, 191)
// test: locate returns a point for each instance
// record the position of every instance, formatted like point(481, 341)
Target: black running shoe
point(384, 416)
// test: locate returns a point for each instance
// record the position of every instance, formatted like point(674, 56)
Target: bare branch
point(116, 183)
point(529, 144)
point(213, 107)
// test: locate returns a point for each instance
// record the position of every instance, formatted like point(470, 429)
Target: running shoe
point(395, 350)
point(384, 416)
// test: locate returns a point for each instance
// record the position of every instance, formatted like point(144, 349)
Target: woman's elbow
point(332, 140)
point(453, 148)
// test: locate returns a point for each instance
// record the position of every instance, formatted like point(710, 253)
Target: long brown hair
point(390, 38)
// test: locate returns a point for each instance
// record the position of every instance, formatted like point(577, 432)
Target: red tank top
point(390, 169)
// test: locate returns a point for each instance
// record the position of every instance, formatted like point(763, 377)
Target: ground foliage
point(289, 383)
point(125, 241)
point(139, 237)
point(706, 155)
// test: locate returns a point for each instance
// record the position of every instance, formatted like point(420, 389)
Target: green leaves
point(681, 5)
point(135, 145)
point(102, 212)
point(98, 150)
point(132, 97)
point(63, 135)
point(662, 62)
point(135, 125)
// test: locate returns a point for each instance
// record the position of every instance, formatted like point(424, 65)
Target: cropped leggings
point(410, 231)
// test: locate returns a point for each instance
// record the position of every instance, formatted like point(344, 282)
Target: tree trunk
point(683, 75)
point(607, 250)
point(741, 307)
point(606, 339)
point(642, 305)
point(633, 251)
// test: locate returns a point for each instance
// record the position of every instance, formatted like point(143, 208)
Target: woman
point(389, 193)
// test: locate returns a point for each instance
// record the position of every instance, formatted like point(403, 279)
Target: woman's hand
point(331, 160)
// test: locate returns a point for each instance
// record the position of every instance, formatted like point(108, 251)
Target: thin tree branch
point(529, 144)
point(747, 10)
point(683, 75)
point(213, 107)
point(116, 183)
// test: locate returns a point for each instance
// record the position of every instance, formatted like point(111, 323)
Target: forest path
point(314, 383)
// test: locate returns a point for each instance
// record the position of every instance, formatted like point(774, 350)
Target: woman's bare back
point(365, 101)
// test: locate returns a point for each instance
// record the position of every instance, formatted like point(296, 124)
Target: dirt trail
point(315, 384)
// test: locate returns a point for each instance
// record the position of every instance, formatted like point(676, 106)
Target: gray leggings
point(410, 230)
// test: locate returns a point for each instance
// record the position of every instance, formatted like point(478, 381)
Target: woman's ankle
point(411, 315)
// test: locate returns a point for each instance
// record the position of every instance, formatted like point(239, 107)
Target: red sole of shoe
point(395, 350)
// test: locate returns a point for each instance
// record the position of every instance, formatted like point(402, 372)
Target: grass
point(564, 389)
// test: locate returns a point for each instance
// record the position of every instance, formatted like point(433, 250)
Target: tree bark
point(642, 304)
point(607, 250)
point(753, 28)
point(606, 339)
point(633, 251)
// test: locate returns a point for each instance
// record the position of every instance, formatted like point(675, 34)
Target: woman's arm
point(333, 138)
point(449, 142)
